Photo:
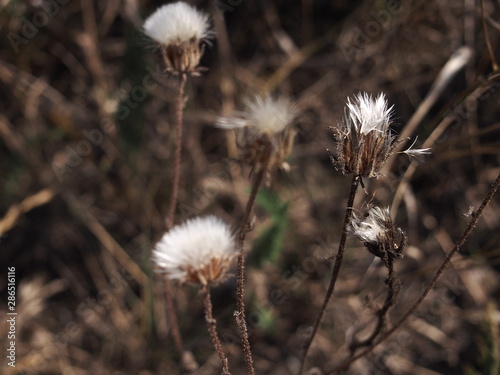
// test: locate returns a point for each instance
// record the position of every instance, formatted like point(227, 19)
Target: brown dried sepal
point(391, 245)
point(184, 57)
point(264, 149)
point(361, 154)
point(210, 274)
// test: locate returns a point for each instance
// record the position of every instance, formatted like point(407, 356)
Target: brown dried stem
point(213, 332)
point(179, 105)
point(393, 288)
point(437, 275)
point(336, 268)
point(240, 285)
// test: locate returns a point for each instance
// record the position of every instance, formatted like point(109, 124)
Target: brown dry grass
point(87, 300)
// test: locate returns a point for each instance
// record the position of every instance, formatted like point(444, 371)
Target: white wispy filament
point(372, 228)
point(197, 251)
point(265, 114)
point(365, 114)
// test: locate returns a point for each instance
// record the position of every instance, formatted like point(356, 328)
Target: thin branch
point(494, 63)
point(213, 332)
point(240, 287)
point(447, 260)
point(179, 105)
point(336, 268)
point(393, 288)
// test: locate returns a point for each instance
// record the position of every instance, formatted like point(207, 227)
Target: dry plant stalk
point(385, 241)
point(179, 105)
point(212, 328)
point(179, 30)
point(364, 143)
point(265, 140)
point(335, 271)
point(470, 227)
point(198, 252)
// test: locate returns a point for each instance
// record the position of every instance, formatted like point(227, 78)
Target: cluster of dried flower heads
point(201, 250)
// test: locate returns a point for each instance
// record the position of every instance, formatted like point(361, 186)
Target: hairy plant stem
point(393, 288)
point(213, 332)
point(240, 280)
point(336, 268)
point(179, 105)
point(432, 283)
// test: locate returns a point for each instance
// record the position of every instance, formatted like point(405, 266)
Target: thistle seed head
point(379, 233)
point(179, 29)
point(264, 131)
point(364, 138)
point(198, 251)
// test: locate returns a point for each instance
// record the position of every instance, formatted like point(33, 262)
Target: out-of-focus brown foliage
point(86, 150)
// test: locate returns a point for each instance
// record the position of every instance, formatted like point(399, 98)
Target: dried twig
point(437, 275)
point(336, 268)
point(213, 332)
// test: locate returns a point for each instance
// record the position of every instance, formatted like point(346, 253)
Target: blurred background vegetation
point(86, 152)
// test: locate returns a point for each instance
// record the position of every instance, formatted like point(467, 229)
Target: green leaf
point(268, 246)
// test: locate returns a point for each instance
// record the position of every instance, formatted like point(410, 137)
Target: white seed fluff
point(416, 152)
point(366, 114)
point(266, 114)
point(371, 228)
point(177, 23)
point(192, 245)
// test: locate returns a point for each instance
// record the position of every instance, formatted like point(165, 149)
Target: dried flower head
point(198, 251)
point(379, 233)
point(264, 132)
point(179, 29)
point(364, 138)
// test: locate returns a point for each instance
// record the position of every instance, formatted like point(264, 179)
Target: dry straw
point(180, 31)
point(265, 138)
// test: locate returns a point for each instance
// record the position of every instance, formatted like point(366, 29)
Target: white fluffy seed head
point(198, 251)
point(364, 138)
point(176, 23)
point(372, 228)
point(366, 114)
point(265, 114)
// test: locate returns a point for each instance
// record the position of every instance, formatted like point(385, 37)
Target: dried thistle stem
point(432, 283)
point(240, 286)
point(393, 288)
point(173, 205)
point(336, 268)
point(179, 105)
point(211, 322)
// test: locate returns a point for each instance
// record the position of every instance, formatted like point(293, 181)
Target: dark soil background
point(86, 150)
